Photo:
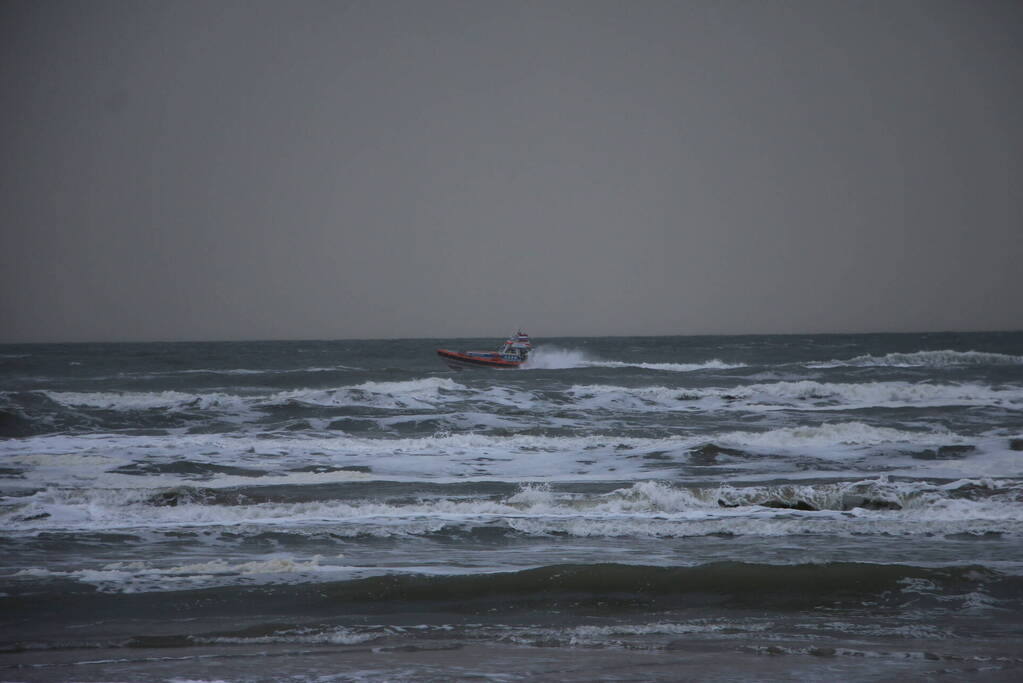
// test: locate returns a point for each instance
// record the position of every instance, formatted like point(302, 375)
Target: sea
point(794, 507)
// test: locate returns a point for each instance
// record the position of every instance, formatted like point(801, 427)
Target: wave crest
point(931, 359)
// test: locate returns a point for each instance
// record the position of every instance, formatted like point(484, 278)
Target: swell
point(795, 586)
point(600, 588)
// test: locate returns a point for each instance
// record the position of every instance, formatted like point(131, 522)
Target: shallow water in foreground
point(660, 508)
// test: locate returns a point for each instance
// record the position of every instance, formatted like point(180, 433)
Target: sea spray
point(546, 357)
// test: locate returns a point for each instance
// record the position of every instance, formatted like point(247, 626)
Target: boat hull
point(459, 360)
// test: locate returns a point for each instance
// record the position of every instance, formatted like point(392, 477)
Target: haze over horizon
point(329, 170)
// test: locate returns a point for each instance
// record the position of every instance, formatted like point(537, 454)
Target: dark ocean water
point(660, 508)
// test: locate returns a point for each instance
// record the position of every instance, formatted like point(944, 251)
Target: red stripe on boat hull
point(457, 360)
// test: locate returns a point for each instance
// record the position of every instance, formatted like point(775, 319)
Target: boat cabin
point(516, 348)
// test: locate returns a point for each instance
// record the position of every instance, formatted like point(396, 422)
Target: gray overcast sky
point(233, 170)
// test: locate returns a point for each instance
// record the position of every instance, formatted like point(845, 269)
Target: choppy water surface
point(621, 509)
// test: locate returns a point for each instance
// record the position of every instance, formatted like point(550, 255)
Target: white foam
point(805, 395)
point(149, 400)
point(644, 509)
point(714, 364)
point(600, 635)
point(93, 460)
point(432, 393)
point(554, 358)
point(884, 394)
point(419, 393)
point(937, 359)
point(336, 636)
point(268, 371)
point(139, 576)
point(427, 385)
point(835, 434)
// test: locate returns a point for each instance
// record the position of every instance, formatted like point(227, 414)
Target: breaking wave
point(834, 434)
point(931, 359)
point(247, 371)
point(419, 393)
point(140, 576)
point(805, 395)
point(161, 400)
point(412, 393)
point(644, 509)
point(431, 392)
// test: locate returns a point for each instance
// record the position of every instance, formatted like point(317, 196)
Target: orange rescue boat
point(513, 353)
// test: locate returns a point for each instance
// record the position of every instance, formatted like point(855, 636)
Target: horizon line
point(571, 336)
